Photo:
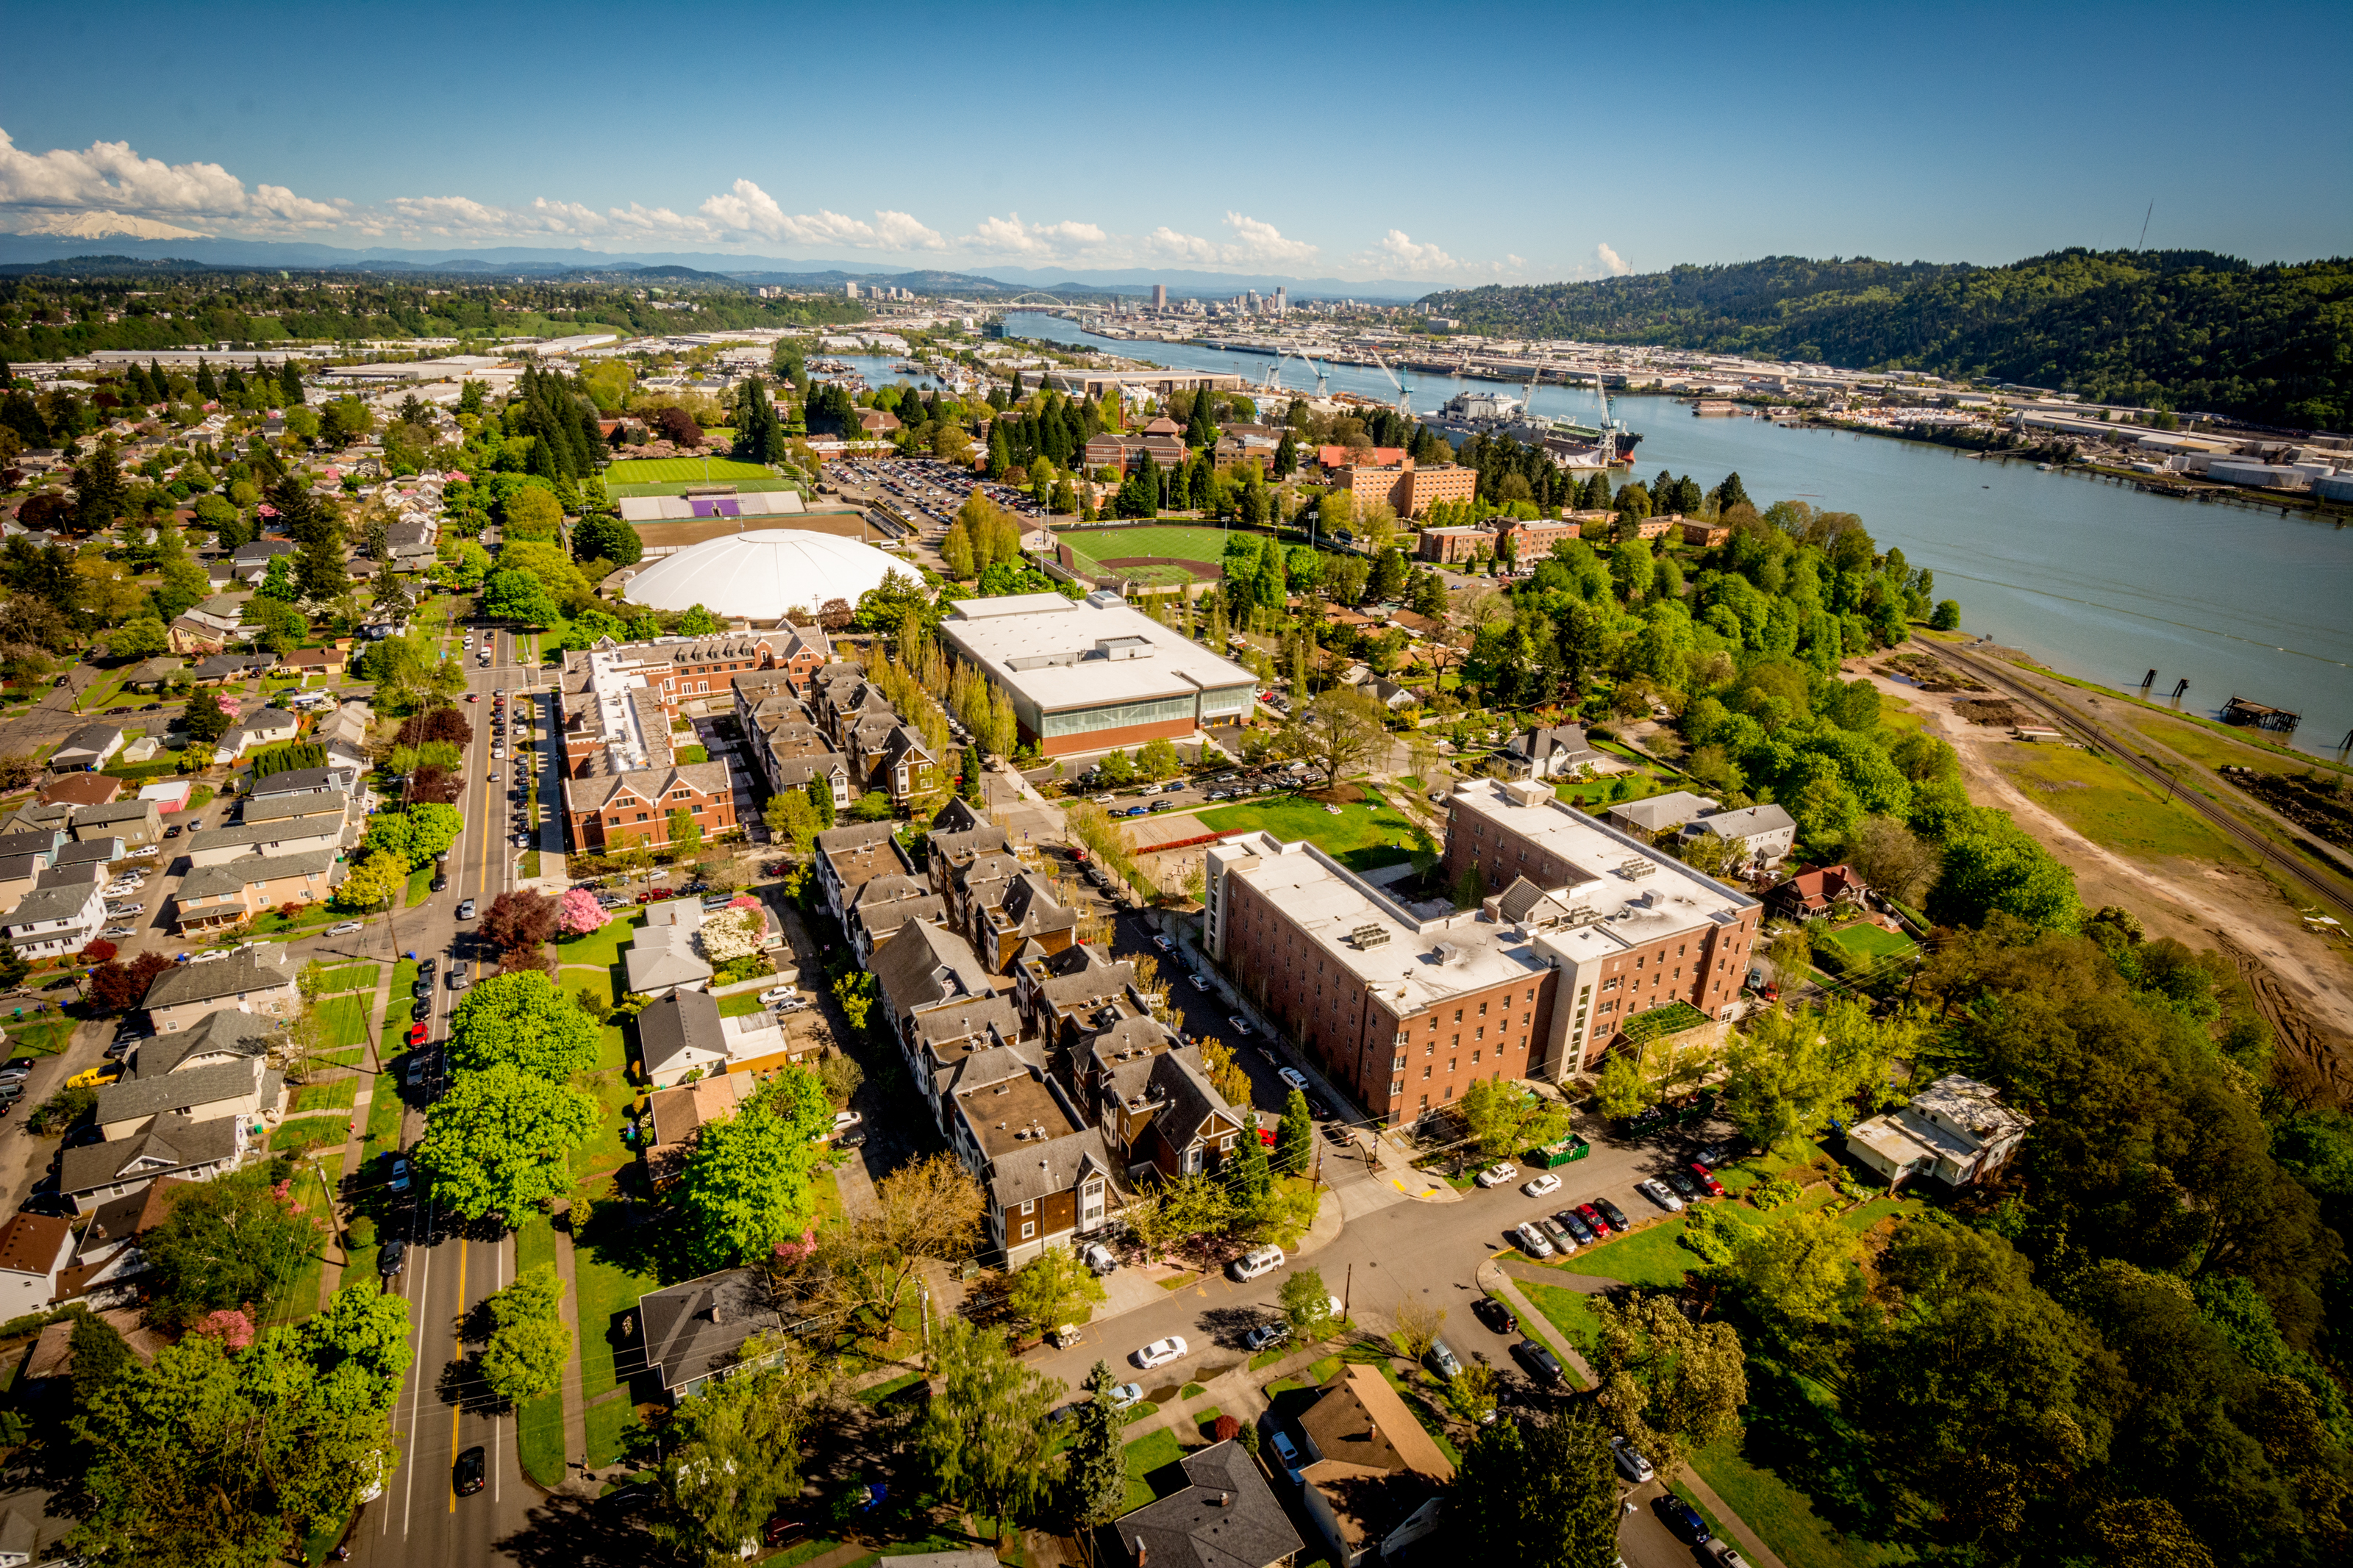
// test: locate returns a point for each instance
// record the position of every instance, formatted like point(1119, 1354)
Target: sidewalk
point(1496, 1283)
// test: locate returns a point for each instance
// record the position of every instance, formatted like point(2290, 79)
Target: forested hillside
point(2183, 330)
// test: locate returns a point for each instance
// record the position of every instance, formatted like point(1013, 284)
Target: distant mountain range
point(2190, 331)
point(142, 239)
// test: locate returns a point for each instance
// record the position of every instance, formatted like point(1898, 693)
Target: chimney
point(1140, 1551)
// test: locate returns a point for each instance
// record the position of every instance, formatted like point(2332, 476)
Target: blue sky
point(1444, 144)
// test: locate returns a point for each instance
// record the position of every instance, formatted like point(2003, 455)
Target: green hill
point(2190, 331)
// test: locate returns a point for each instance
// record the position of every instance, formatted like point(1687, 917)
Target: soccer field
point(683, 470)
point(1175, 540)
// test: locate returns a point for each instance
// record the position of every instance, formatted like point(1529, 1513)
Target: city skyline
point(943, 144)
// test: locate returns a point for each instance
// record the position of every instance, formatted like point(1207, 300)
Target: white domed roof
point(759, 575)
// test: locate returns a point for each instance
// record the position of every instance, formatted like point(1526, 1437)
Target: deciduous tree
point(521, 921)
point(1050, 1289)
point(732, 1452)
point(1538, 1492)
point(746, 1184)
point(232, 1241)
point(985, 1435)
point(524, 1022)
point(499, 1141)
point(1672, 1385)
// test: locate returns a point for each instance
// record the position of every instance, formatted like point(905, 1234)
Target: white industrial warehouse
point(758, 575)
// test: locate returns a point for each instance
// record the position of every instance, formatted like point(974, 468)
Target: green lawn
point(1569, 1311)
point(601, 948)
point(420, 885)
point(1652, 1255)
point(680, 486)
point(310, 1193)
point(609, 1428)
point(876, 1394)
point(346, 1018)
point(42, 1039)
point(683, 470)
point(334, 1095)
point(1784, 1517)
point(1179, 542)
point(1362, 837)
point(1865, 941)
point(739, 1005)
point(539, 1424)
point(607, 1287)
point(349, 977)
point(2108, 806)
point(1154, 1450)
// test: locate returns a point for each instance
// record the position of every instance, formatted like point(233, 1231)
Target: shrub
point(1773, 1193)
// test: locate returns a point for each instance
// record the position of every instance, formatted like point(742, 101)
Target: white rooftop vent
point(1106, 599)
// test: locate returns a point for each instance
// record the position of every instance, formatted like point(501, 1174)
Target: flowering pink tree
point(230, 1326)
point(578, 913)
point(743, 901)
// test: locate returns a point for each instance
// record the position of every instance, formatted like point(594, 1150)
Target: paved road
point(442, 1409)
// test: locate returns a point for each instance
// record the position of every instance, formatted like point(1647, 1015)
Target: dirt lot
point(2302, 982)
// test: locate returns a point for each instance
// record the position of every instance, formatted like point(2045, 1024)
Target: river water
point(2094, 578)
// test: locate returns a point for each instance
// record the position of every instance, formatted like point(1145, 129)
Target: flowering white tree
point(578, 913)
point(732, 933)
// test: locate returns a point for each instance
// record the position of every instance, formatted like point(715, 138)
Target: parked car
point(1532, 1240)
point(1542, 1185)
point(778, 994)
point(1613, 1214)
point(1562, 1243)
point(1630, 1465)
point(1257, 1261)
point(1540, 1362)
point(1495, 1175)
point(1684, 1187)
point(1199, 983)
point(393, 1257)
point(1285, 1450)
point(1239, 1025)
point(1160, 1352)
point(1266, 1335)
point(395, 1177)
point(1677, 1515)
point(1442, 1360)
point(1656, 1193)
point(1125, 1394)
point(1705, 1178)
point(1574, 1223)
point(1294, 1077)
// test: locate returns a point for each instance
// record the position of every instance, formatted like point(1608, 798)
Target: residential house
point(34, 1249)
point(51, 920)
point(106, 1259)
point(1050, 1179)
point(1001, 906)
point(683, 1035)
point(922, 966)
point(1659, 813)
point(881, 907)
point(223, 669)
point(263, 727)
point(783, 743)
point(1155, 1104)
point(1706, 535)
point(1756, 835)
point(413, 544)
point(256, 979)
point(665, 957)
point(83, 789)
point(347, 726)
point(1375, 1482)
point(239, 1087)
point(137, 823)
point(849, 858)
point(678, 1116)
point(692, 1332)
point(328, 781)
point(300, 811)
point(209, 627)
point(232, 892)
point(1956, 1130)
point(151, 675)
point(249, 563)
point(222, 1036)
point(1224, 1515)
point(86, 857)
point(303, 834)
point(1811, 894)
point(309, 661)
point(87, 749)
point(1551, 751)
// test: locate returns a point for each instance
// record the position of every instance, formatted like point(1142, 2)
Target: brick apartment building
point(623, 780)
point(1583, 927)
point(1410, 490)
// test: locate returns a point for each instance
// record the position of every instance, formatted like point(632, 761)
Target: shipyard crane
point(1404, 399)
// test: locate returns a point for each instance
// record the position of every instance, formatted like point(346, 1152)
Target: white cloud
point(1063, 241)
point(744, 207)
point(108, 176)
point(1255, 244)
point(1400, 252)
point(1611, 262)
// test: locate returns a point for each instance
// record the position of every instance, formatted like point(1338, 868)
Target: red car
point(1592, 1216)
point(417, 1033)
point(1266, 1136)
point(1707, 1178)
point(473, 697)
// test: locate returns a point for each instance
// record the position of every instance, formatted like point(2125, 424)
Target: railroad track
point(2324, 886)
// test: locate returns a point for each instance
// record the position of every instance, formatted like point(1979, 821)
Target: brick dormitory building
point(1582, 928)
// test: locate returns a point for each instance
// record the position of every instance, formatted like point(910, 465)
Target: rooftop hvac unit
point(1448, 952)
point(1635, 871)
point(1369, 936)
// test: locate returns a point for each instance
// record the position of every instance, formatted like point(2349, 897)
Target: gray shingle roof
point(246, 834)
point(1227, 1517)
point(677, 1022)
point(924, 964)
point(229, 876)
point(48, 904)
point(256, 969)
point(133, 1098)
point(1041, 1170)
point(156, 1150)
point(692, 1330)
point(226, 1030)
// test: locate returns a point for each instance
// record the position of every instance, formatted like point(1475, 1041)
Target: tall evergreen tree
point(1731, 493)
point(207, 387)
point(290, 382)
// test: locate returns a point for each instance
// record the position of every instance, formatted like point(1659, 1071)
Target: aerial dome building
point(759, 575)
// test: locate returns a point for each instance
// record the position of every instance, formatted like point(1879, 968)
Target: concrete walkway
point(1496, 1283)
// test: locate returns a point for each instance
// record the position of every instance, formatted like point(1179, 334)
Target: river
point(2095, 578)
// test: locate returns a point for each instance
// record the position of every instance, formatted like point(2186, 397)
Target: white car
point(118, 930)
point(1658, 1193)
point(1160, 1352)
point(778, 994)
point(1266, 1335)
point(118, 910)
point(1548, 1183)
point(1294, 1077)
point(1497, 1174)
point(1239, 1025)
point(1106, 799)
point(346, 928)
point(1532, 1240)
point(1199, 983)
point(1125, 1394)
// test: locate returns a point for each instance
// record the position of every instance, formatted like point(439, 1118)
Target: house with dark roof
point(1050, 1179)
point(1756, 835)
point(1812, 895)
point(683, 1035)
point(53, 920)
point(257, 979)
point(33, 1252)
point(881, 906)
point(1224, 1515)
point(106, 1259)
point(848, 857)
point(1555, 751)
point(241, 1087)
point(924, 965)
point(162, 1146)
point(1374, 1482)
point(1156, 1105)
point(136, 822)
point(692, 1332)
point(87, 749)
point(225, 1035)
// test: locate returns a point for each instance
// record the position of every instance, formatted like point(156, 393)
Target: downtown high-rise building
point(1160, 296)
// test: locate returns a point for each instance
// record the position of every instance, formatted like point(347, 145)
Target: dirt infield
point(673, 535)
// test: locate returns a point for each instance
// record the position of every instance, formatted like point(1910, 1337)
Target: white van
point(1261, 1260)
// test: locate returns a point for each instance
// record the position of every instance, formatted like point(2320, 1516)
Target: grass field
point(2108, 806)
point(683, 470)
point(350, 977)
point(346, 1018)
point(1155, 1450)
point(1863, 943)
point(1180, 541)
point(1362, 837)
point(680, 486)
point(539, 1423)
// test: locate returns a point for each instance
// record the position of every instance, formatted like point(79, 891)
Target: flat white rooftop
point(1635, 892)
point(1064, 654)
